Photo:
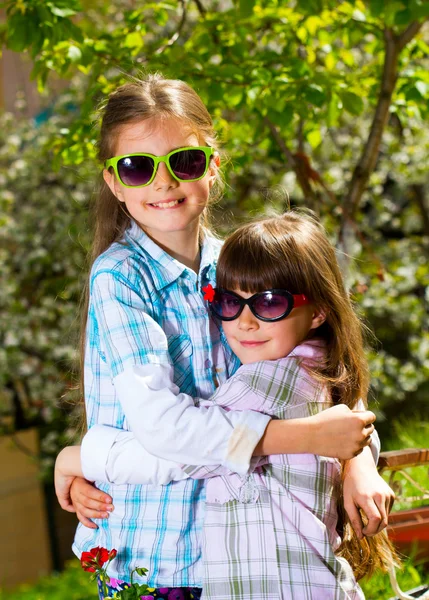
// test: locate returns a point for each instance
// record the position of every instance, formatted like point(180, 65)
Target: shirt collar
point(164, 268)
point(310, 350)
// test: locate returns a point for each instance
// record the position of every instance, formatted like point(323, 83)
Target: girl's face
point(253, 340)
point(166, 206)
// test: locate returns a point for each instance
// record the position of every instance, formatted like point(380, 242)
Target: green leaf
point(252, 94)
point(403, 17)
point(333, 110)
point(376, 7)
point(315, 94)
point(284, 117)
point(245, 7)
point(352, 102)
point(74, 53)
point(21, 32)
point(234, 96)
point(416, 92)
point(422, 87)
point(314, 138)
point(62, 12)
point(390, 15)
point(133, 40)
point(419, 9)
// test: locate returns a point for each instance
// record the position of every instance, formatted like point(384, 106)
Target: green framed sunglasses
point(184, 164)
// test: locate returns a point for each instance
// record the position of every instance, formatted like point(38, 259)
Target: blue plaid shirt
point(147, 308)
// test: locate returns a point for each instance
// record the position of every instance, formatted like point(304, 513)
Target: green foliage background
point(293, 88)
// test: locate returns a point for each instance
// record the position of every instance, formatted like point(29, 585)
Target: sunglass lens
point(226, 305)
point(188, 164)
point(135, 170)
point(271, 306)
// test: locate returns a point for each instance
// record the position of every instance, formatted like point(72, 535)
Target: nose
point(163, 178)
point(247, 320)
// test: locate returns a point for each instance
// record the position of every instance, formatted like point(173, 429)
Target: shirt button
point(207, 364)
point(202, 312)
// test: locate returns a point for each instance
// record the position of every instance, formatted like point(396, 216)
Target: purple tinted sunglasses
point(271, 305)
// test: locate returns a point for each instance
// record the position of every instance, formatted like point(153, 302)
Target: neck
point(184, 246)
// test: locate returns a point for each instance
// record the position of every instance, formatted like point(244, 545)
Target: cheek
point(229, 329)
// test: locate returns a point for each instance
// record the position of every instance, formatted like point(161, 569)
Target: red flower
point(95, 558)
point(209, 292)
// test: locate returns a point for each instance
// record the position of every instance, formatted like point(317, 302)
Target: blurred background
point(321, 104)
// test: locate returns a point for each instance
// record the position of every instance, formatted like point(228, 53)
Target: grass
point(379, 588)
point(71, 584)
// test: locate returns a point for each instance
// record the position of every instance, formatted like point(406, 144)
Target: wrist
point(362, 462)
point(286, 436)
point(68, 462)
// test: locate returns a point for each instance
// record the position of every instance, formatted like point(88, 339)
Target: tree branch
point(294, 164)
point(176, 35)
point(201, 8)
point(408, 34)
point(370, 152)
point(366, 165)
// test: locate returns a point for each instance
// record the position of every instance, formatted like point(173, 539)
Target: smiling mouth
point(168, 204)
point(251, 344)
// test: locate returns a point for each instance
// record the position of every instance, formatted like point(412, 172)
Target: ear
point(113, 184)
point(213, 168)
point(319, 317)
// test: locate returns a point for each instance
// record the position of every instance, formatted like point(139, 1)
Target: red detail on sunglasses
point(209, 292)
point(300, 300)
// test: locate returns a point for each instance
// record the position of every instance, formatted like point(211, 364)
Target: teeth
point(167, 204)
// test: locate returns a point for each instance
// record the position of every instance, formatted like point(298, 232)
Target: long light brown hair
point(151, 98)
point(293, 252)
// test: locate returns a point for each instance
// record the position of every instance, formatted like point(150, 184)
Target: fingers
point(86, 521)
point(355, 519)
point(379, 509)
point(90, 513)
point(376, 522)
point(83, 487)
point(368, 417)
point(95, 505)
point(68, 506)
point(86, 493)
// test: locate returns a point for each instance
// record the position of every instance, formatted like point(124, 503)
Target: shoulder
point(280, 378)
point(266, 372)
point(213, 242)
point(120, 262)
point(120, 272)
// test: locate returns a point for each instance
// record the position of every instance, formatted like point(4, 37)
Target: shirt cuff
point(243, 441)
point(375, 445)
point(94, 452)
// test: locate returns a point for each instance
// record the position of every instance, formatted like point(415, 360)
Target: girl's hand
point(340, 432)
point(89, 502)
point(365, 489)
